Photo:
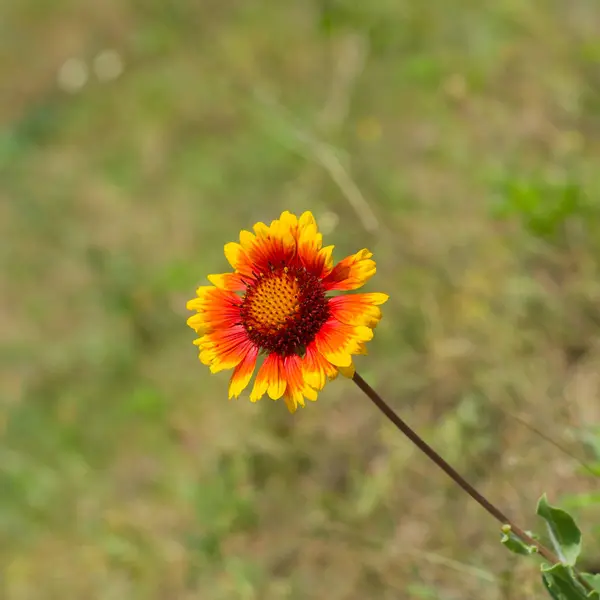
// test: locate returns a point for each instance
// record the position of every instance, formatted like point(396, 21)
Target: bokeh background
point(457, 140)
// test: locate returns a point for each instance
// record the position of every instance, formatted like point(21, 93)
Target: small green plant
point(542, 205)
point(561, 580)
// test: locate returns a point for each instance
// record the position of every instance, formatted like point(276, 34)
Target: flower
point(276, 304)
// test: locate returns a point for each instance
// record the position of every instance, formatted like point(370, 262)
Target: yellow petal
point(231, 282)
point(291, 404)
point(307, 218)
point(357, 309)
point(352, 272)
point(348, 371)
point(242, 374)
point(261, 229)
point(361, 349)
point(316, 378)
point(310, 393)
point(363, 334)
point(198, 323)
point(247, 239)
point(376, 298)
point(338, 358)
point(259, 390)
point(289, 220)
point(234, 253)
point(277, 382)
point(267, 374)
point(326, 255)
point(201, 293)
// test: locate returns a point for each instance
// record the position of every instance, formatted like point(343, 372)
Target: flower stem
point(450, 471)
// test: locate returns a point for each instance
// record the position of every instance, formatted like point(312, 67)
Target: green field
point(460, 142)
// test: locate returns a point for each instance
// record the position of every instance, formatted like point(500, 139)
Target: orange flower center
point(284, 309)
point(274, 301)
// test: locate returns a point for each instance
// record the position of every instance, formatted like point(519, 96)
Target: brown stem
point(454, 475)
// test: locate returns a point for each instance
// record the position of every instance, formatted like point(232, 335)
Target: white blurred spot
point(328, 221)
point(72, 75)
point(108, 65)
point(512, 460)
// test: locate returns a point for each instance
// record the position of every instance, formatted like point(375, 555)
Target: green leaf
point(562, 584)
point(564, 533)
point(594, 581)
point(515, 544)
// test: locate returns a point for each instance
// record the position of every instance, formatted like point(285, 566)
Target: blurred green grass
point(471, 133)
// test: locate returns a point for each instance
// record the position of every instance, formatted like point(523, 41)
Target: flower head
point(276, 304)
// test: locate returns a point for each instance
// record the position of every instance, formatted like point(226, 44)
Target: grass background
point(458, 141)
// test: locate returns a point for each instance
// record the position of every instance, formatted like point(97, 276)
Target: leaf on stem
point(562, 583)
point(516, 544)
point(564, 533)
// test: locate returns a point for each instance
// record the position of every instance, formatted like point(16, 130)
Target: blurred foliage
point(138, 138)
point(543, 205)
